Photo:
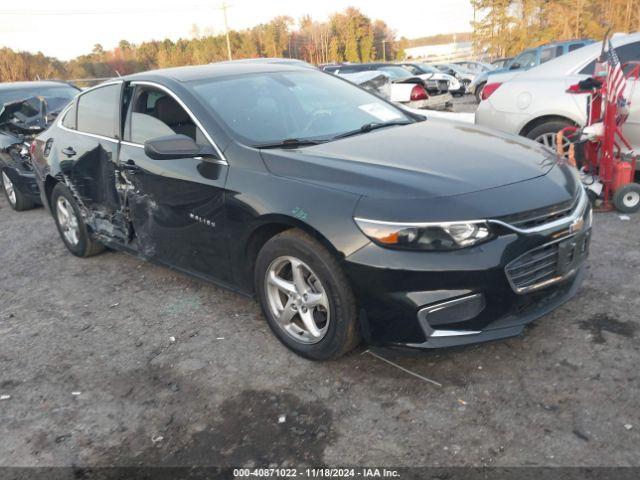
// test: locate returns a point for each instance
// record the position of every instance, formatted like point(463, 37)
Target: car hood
point(434, 158)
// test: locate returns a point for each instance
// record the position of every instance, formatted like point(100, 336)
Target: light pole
point(226, 27)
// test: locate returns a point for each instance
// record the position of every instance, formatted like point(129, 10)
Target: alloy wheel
point(9, 188)
point(297, 300)
point(549, 140)
point(68, 221)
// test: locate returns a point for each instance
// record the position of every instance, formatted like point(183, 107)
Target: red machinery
point(604, 159)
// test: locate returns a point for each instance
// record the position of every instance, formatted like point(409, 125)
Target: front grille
point(534, 267)
point(540, 216)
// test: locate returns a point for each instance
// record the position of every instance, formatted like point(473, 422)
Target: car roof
point(565, 42)
point(35, 84)
point(575, 61)
point(216, 70)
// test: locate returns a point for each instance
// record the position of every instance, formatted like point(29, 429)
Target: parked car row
point(427, 79)
point(349, 218)
point(525, 61)
point(27, 108)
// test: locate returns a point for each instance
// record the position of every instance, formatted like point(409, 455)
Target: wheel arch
point(267, 227)
point(49, 184)
point(531, 124)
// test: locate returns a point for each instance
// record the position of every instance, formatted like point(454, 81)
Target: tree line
point(503, 28)
point(346, 36)
point(500, 28)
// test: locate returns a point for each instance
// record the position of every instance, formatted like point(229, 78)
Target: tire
point(16, 199)
point(626, 199)
point(549, 130)
point(478, 91)
point(341, 333)
point(84, 246)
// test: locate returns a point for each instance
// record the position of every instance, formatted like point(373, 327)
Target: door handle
point(69, 151)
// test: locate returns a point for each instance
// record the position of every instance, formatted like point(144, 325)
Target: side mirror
point(515, 66)
point(171, 147)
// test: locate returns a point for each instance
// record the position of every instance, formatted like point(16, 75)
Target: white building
point(441, 53)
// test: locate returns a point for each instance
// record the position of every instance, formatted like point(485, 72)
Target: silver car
point(534, 103)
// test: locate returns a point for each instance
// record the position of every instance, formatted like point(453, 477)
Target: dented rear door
point(87, 148)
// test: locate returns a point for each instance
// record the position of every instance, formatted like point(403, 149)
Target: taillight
point(488, 90)
point(418, 93)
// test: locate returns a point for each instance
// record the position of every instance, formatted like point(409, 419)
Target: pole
point(384, 50)
point(226, 28)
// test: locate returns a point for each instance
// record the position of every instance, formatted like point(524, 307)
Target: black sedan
point(27, 108)
point(346, 216)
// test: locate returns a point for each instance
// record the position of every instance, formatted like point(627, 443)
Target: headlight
point(426, 236)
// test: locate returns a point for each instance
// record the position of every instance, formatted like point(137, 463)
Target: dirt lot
point(94, 377)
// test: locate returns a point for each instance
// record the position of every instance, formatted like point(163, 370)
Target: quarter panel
point(258, 197)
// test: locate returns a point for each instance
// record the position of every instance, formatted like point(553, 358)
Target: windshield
point(264, 108)
point(65, 92)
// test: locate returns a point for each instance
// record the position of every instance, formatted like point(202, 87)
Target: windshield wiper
point(367, 127)
point(289, 143)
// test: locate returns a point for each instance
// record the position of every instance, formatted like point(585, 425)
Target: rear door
point(176, 206)
point(631, 53)
point(88, 151)
point(626, 53)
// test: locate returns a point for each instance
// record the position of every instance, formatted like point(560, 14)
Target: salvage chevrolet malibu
point(347, 217)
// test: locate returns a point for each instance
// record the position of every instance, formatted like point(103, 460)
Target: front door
point(176, 206)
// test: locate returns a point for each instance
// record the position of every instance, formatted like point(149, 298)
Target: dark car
point(26, 109)
point(346, 216)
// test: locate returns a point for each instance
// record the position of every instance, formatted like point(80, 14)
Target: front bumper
point(443, 299)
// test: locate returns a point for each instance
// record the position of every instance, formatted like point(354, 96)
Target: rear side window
point(626, 53)
point(69, 120)
point(575, 46)
point(97, 111)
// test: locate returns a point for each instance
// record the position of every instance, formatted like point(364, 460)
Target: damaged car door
point(176, 205)
point(88, 151)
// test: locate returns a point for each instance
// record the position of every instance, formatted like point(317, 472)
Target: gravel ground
point(113, 361)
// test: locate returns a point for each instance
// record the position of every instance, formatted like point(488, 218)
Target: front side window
point(626, 53)
point(263, 108)
point(154, 114)
point(525, 60)
point(548, 53)
point(98, 110)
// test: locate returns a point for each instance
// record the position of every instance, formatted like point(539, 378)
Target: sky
point(68, 28)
